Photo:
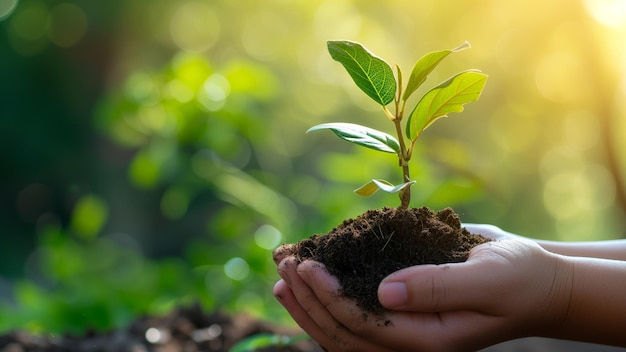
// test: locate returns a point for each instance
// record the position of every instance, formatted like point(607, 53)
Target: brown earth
point(362, 251)
point(186, 329)
point(189, 329)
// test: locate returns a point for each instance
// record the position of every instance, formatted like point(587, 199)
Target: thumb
point(439, 288)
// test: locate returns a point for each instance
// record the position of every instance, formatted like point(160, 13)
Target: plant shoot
point(376, 78)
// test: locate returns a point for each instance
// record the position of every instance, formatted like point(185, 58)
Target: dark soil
point(361, 252)
point(184, 330)
point(191, 330)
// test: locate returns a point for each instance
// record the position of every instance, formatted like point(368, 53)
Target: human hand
point(506, 289)
point(492, 232)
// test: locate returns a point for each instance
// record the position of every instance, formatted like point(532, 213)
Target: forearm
point(596, 309)
point(614, 249)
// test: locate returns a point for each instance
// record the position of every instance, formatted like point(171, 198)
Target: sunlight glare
point(611, 13)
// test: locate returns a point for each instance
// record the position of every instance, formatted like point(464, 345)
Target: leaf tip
point(463, 46)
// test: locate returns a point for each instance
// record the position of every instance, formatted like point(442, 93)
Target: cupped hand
point(492, 232)
point(506, 289)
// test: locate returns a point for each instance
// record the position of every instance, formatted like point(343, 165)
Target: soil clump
point(362, 251)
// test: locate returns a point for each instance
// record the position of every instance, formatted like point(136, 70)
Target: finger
point(286, 265)
point(445, 287)
point(282, 252)
point(490, 231)
point(285, 296)
point(327, 285)
point(404, 331)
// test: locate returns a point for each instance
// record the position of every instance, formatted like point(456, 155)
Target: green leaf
point(370, 73)
point(374, 185)
point(361, 135)
point(425, 65)
point(449, 96)
point(264, 340)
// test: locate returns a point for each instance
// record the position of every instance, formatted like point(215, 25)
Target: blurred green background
point(153, 151)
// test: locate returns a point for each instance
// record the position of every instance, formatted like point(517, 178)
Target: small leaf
point(361, 135)
point(374, 185)
point(425, 65)
point(449, 96)
point(370, 73)
point(265, 340)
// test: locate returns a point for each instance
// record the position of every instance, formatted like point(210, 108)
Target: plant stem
point(403, 157)
point(405, 194)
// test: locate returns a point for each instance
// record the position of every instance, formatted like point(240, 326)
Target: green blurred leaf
point(174, 203)
point(264, 340)
point(449, 96)
point(144, 171)
point(361, 135)
point(370, 73)
point(425, 65)
point(374, 185)
point(191, 70)
point(89, 215)
point(251, 80)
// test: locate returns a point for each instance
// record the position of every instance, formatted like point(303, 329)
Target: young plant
point(376, 79)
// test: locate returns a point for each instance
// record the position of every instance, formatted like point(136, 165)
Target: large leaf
point(370, 73)
point(449, 96)
point(374, 185)
point(425, 65)
point(361, 135)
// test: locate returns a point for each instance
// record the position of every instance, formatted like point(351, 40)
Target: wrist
point(554, 309)
point(595, 309)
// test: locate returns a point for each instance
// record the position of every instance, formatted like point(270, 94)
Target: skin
point(510, 288)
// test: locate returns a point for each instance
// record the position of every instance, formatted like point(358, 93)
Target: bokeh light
point(28, 28)
point(268, 237)
point(556, 80)
point(6, 8)
point(237, 269)
point(609, 12)
point(68, 24)
point(90, 214)
point(195, 26)
point(175, 203)
point(214, 92)
point(265, 44)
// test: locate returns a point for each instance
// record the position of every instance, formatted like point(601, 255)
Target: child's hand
point(506, 289)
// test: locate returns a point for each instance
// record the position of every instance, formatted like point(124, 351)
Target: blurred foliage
point(154, 150)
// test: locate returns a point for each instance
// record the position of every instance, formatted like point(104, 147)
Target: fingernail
point(283, 267)
point(277, 290)
point(393, 294)
point(310, 265)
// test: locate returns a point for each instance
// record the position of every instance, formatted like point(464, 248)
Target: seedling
point(376, 79)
